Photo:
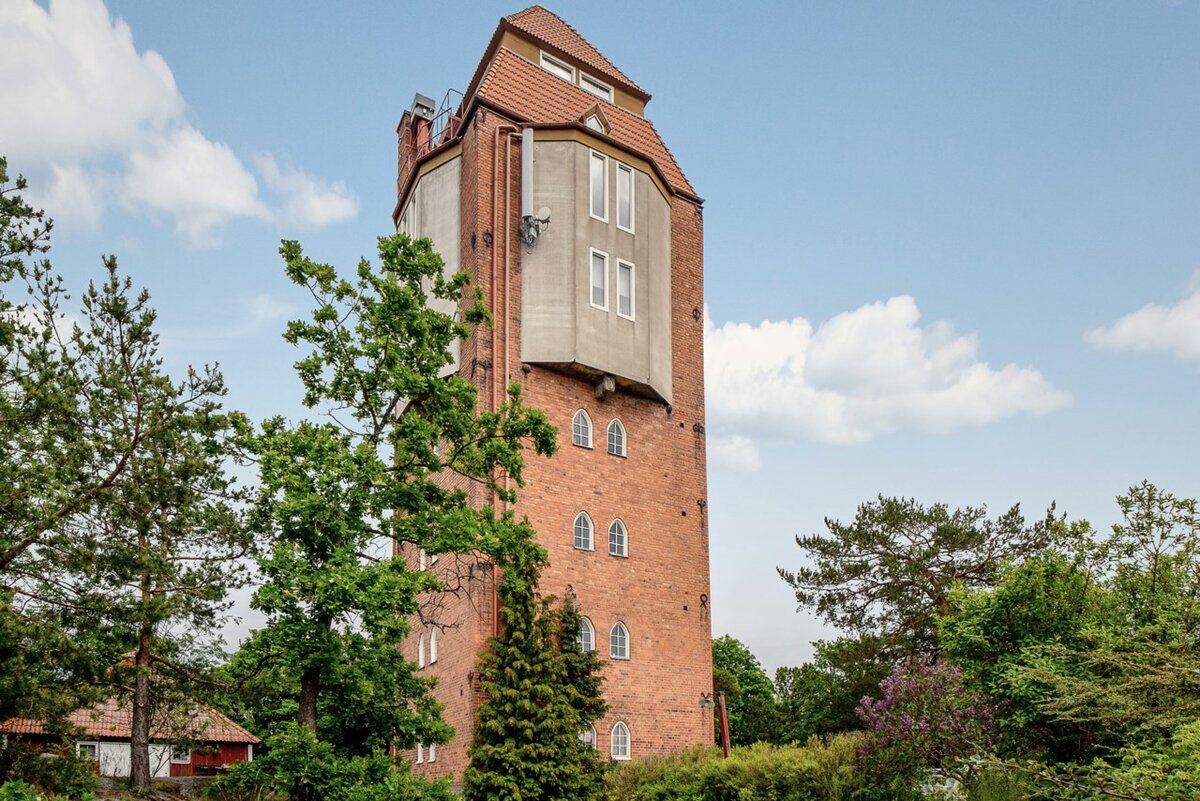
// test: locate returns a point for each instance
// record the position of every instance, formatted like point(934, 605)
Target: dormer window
point(560, 68)
point(593, 86)
point(594, 123)
point(595, 119)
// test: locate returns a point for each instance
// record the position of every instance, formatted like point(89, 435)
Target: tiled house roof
point(531, 92)
point(113, 719)
point(546, 26)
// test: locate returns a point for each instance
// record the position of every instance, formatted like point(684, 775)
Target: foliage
point(925, 718)
point(63, 774)
point(541, 691)
point(331, 493)
point(889, 574)
point(811, 772)
point(749, 695)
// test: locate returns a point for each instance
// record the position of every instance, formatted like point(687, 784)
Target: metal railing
point(420, 137)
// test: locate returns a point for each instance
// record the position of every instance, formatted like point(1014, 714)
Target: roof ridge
point(617, 72)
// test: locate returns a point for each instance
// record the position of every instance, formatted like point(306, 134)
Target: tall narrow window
point(598, 177)
point(587, 635)
point(625, 197)
point(625, 289)
point(422, 559)
point(421, 650)
point(596, 87)
point(420, 753)
point(616, 438)
point(433, 655)
point(433, 752)
point(620, 741)
point(618, 539)
point(581, 429)
point(588, 736)
point(599, 280)
point(618, 642)
point(583, 532)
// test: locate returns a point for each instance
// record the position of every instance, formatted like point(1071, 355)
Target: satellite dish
point(543, 214)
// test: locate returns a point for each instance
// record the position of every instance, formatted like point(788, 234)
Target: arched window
point(432, 658)
point(421, 650)
point(583, 532)
point(620, 741)
point(618, 539)
point(432, 752)
point(618, 642)
point(587, 635)
point(588, 736)
point(581, 429)
point(616, 438)
point(420, 753)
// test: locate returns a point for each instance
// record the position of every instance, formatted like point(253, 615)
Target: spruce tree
point(542, 692)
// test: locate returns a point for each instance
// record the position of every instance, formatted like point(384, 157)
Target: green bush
point(66, 775)
point(815, 771)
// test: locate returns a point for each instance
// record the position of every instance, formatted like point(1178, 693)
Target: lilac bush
point(926, 716)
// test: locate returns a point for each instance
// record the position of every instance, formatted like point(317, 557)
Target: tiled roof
point(113, 718)
point(548, 27)
point(533, 93)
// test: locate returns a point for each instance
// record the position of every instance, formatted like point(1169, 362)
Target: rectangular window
point(598, 88)
point(625, 289)
point(560, 68)
point(433, 752)
point(599, 269)
point(598, 178)
point(181, 754)
point(625, 197)
point(87, 750)
point(420, 753)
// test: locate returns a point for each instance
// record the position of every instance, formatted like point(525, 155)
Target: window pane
point(589, 84)
point(599, 280)
point(583, 533)
point(599, 190)
point(564, 71)
point(616, 538)
point(625, 289)
point(624, 197)
point(581, 430)
point(618, 642)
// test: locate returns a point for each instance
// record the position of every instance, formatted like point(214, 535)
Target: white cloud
point(735, 452)
point(91, 120)
point(1175, 329)
point(861, 374)
point(265, 309)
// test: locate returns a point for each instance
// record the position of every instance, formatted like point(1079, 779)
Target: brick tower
point(546, 183)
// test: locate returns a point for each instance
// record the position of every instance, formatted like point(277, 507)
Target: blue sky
point(952, 249)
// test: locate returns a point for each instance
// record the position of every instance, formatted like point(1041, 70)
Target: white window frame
point(432, 753)
point(593, 123)
point(596, 87)
point(592, 254)
point(94, 746)
point(625, 168)
point(587, 418)
point(632, 289)
point(593, 154)
point(589, 731)
point(433, 650)
point(591, 546)
point(175, 760)
point(420, 753)
point(616, 421)
point(624, 550)
point(556, 67)
point(422, 559)
point(626, 736)
point(625, 630)
point(421, 651)
point(586, 624)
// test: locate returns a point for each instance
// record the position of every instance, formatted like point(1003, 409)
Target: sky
point(952, 249)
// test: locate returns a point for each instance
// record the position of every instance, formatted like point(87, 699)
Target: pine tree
point(542, 691)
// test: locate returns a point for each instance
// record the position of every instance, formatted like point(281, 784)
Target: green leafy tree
point(332, 493)
point(542, 691)
point(749, 699)
point(889, 574)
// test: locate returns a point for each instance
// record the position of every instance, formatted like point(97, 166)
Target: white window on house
point(625, 288)
point(560, 68)
point(625, 197)
point(421, 650)
point(433, 656)
point(595, 86)
point(433, 752)
point(599, 281)
point(420, 753)
point(618, 539)
point(598, 181)
point(594, 123)
point(181, 755)
point(620, 741)
point(422, 559)
point(583, 532)
point(87, 750)
point(588, 736)
point(581, 429)
point(616, 438)
point(618, 642)
point(587, 635)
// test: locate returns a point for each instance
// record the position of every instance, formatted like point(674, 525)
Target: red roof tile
point(546, 26)
point(113, 718)
point(533, 93)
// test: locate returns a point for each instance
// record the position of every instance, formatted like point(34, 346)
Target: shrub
point(65, 774)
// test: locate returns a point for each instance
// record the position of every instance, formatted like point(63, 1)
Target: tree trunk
point(310, 688)
point(139, 747)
